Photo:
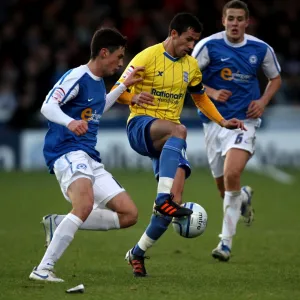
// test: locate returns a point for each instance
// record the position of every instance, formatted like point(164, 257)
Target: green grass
point(265, 262)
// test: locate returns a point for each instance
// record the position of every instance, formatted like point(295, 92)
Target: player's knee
point(83, 210)
point(179, 131)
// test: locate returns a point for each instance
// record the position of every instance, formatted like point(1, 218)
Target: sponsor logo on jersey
point(89, 116)
point(164, 94)
point(167, 97)
point(227, 74)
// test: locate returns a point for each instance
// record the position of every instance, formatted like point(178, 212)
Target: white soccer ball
point(193, 225)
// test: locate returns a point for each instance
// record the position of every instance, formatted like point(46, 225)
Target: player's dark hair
point(183, 21)
point(238, 5)
point(108, 38)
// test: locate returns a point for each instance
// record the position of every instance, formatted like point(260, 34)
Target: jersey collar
point(91, 74)
point(235, 45)
point(169, 56)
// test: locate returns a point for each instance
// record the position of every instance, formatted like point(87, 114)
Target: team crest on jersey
point(253, 59)
point(128, 72)
point(186, 76)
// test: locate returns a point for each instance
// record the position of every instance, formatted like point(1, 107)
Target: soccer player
point(154, 129)
point(74, 107)
point(229, 61)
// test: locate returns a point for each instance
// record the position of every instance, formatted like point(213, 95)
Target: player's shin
point(101, 220)
point(157, 227)
point(169, 160)
point(98, 220)
point(178, 185)
point(231, 206)
point(62, 238)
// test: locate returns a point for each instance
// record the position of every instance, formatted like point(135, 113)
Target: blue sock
point(158, 225)
point(168, 164)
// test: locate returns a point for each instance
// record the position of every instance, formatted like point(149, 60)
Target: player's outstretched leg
point(247, 210)
point(169, 160)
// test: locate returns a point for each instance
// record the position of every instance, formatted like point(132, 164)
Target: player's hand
point(143, 99)
point(79, 127)
point(233, 124)
point(134, 77)
point(255, 109)
point(221, 95)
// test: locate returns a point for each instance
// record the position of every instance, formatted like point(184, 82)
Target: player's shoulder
point(191, 60)
point(74, 74)
point(254, 40)
point(152, 50)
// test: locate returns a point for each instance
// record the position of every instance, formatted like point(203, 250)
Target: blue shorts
point(138, 132)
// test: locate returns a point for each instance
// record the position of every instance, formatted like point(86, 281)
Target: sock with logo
point(168, 164)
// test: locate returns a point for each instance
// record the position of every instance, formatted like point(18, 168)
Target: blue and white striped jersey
point(234, 67)
point(81, 96)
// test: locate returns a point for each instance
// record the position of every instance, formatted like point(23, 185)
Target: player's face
point(184, 44)
point(113, 61)
point(235, 23)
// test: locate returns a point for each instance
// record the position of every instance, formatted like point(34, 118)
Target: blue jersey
point(82, 96)
point(234, 67)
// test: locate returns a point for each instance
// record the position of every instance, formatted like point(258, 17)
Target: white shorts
point(219, 140)
point(78, 164)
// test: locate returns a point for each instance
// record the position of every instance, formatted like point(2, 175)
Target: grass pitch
point(265, 263)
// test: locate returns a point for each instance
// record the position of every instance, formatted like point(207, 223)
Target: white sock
point(145, 242)
point(244, 197)
point(99, 219)
point(231, 206)
point(62, 238)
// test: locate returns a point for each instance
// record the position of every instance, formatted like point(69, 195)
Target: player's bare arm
point(256, 107)
point(206, 106)
point(218, 95)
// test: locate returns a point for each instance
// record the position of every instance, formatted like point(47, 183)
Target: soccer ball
point(193, 225)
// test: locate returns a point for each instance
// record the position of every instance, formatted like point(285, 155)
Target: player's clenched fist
point(79, 127)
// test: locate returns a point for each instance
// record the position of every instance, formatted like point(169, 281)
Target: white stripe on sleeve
point(270, 64)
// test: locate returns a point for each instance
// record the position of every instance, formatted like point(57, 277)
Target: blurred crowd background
point(41, 39)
